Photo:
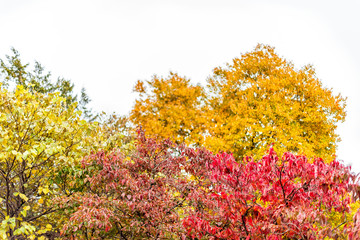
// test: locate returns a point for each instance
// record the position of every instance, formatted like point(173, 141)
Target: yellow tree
point(42, 140)
point(170, 108)
point(261, 98)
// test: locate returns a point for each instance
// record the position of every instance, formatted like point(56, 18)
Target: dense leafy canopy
point(165, 191)
point(261, 99)
point(170, 108)
point(291, 198)
point(40, 139)
point(135, 196)
point(257, 100)
point(64, 176)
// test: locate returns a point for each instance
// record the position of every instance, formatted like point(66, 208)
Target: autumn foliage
point(40, 138)
point(134, 196)
point(289, 198)
point(170, 108)
point(199, 172)
point(258, 99)
point(166, 191)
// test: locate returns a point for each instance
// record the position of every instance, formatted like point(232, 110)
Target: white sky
point(106, 45)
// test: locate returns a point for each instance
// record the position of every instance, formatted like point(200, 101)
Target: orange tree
point(258, 99)
point(261, 99)
point(170, 107)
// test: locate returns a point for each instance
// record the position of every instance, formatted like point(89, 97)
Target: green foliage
point(116, 132)
point(15, 72)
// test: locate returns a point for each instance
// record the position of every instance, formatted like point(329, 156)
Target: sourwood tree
point(166, 191)
point(273, 198)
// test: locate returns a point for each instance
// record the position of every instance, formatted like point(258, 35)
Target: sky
point(105, 46)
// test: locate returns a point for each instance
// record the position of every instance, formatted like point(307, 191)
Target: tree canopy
point(261, 99)
point(41, 142)
point(170, 108)
point(258, 99)
point(15, 72)
point(200, 166)
point(166, 191)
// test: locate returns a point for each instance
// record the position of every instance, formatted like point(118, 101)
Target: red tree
point(131, 197)
point(166, 191)
point(291, 198)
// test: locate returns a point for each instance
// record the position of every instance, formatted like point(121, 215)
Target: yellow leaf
point(46, 190)
point(23, 197)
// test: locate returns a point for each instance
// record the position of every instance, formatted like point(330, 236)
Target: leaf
point(45, 190)
point(23, 197)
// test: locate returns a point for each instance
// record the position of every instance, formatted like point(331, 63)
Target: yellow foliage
point(170, 108)
point(257, 100)
point(262, 99)
point(39, 136)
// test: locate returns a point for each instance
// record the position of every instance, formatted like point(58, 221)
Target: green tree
point(116, 132)
point(15, 72)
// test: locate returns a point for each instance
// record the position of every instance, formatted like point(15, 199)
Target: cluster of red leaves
point(269, 199)
point(134, 196)
point(166, 191)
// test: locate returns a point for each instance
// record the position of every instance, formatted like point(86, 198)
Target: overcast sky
point(106, 45)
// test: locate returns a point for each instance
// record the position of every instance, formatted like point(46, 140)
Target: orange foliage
point(258, 99)
point(170, 108)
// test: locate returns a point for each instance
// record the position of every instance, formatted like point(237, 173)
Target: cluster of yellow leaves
point(39, 136)
point(261, 99)
point(171, 108)
point(340, 220)
point(257, 100)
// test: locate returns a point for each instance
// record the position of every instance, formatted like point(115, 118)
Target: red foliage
point(134, 196)
point(166, 191)
point(268, 199)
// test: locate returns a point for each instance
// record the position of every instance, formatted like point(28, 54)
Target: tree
point(166, 191)
point(257, 100)
point(170, 108)
point(261, 99)
point(15, 72)
point(134, 196)
point(42, 140)
point(288, 198)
